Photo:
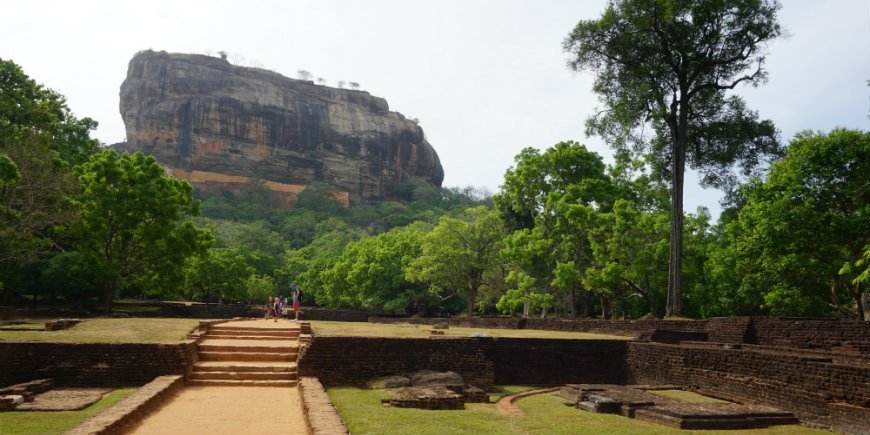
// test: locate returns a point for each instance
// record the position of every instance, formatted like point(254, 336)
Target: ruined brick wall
point(805, 385)
point(548, 362)
point(825, 334)
point(92, 364)
point(844, 336)
point(615, 326)
point(498, 322)
point(481, 361)
point(357, 360)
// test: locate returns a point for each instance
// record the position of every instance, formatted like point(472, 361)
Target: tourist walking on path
point(297, 300)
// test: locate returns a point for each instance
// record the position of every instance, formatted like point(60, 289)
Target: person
point(268, 309)
point(277, 308)
point(297, 300)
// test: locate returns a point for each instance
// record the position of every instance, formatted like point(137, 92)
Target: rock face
point(221, 126)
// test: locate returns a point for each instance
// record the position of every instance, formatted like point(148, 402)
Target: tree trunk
point(108, 294)
point(590, 305)
point(678, 168)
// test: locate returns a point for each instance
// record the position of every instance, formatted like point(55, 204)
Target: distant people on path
point(297, 300)
point(272, 307)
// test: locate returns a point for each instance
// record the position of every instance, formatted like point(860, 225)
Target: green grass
point(544, 414)
point(405, 330)
point(39, 423)
point(126, 330)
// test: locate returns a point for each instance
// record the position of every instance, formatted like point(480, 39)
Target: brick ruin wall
point(93, 364)
point(357, 360)
point(483, 362)
point(844, 336)
point(815, 389)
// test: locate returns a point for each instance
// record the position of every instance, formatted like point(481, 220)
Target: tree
point(370, 273)
point(133, 222)
point(303, 74)
point(787, 249)
point(8, 171)
point(341, 84)
point(40, 141)
point(458, 254)
point(321, 81)
point(557, 194)
point(665, 66)
point(218, 272)
point(629, 247)
point(354, 85)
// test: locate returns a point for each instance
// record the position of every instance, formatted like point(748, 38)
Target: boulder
point(222, 126)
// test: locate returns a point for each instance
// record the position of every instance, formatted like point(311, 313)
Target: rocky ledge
point(221, 126)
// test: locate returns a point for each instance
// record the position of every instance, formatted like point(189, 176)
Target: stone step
point(255, 376)
point(247, 356)
point(228, 336)
point(231, 345)
point(260, 331)
point(281, 334)
point(240, 383)
point(242, 366)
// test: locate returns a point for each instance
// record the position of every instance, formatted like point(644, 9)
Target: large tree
point(785, 251)
point(42, 141)
point(459, 254)
point(663, 69)
point(134, 223)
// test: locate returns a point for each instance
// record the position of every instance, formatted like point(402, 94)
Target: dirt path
point(232, 410)
point(228, 410)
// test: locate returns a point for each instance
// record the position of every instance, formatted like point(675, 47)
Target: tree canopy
point(133, 222)
point(662, 72)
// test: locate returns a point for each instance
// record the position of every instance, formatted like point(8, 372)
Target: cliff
point(221, 126)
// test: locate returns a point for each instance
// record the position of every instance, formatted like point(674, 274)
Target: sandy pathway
point(228, 410)
point(231, 410)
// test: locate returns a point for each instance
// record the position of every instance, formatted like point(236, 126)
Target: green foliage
point(305, 265)
point(8, 171)
point(459, 255)
point(133, 223)
point(39, 142)
point(664, 67)
point(217, 273)
point(34, 115)
point(370, 273)
point(555, 198)
point(258, 288)
point(630, 255)
point(785, 250)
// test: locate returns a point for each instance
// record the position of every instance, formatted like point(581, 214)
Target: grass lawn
point(37, 423)
point(544, 414)
point(364, 329)
point(126, 330)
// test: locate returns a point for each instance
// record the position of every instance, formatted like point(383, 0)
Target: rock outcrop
point(221, 126)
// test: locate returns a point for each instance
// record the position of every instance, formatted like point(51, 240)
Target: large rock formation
point(221, 126)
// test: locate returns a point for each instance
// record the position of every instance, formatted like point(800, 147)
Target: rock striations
point(221, 126)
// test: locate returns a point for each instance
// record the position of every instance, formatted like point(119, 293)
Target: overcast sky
point(485, 78)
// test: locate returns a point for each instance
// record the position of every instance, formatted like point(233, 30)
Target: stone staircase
point(247, 356)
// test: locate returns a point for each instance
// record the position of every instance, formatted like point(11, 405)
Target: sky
point(486, 78)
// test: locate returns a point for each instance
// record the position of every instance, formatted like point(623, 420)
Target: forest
point(566, 235)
